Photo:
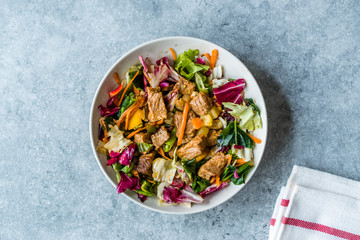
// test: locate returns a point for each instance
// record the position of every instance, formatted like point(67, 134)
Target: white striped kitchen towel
point(315, 205)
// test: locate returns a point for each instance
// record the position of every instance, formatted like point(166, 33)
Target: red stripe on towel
point(272, 222)
point(320, 228)
point(285, 202)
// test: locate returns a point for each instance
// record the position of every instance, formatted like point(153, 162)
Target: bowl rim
point(91, 120)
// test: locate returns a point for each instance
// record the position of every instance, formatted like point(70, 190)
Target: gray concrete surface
point(305, 56)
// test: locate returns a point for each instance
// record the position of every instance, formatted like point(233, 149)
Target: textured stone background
point(304, 54)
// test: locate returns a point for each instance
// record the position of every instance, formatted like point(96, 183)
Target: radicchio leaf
point(127, 155)
point(174, 195)
point(212, 188)
point(230, 92)
point(126, 182)
point(108, 111)
point(141, 197)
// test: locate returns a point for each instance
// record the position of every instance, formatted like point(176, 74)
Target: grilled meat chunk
point(142, 138)
point(201, 104)
point(160, 137)
point(190, 130)
point(215, 166)
point(211, 139)
point(157, 108)
point(145, 164)
point(192, 149)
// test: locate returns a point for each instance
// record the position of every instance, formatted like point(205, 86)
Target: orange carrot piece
point(123, 116)
point(135, 132)
point(212, 180)
point(228, 157)
point(161, 151)
point(183, 123)
point(256, 140)
point(197, 123)
point(214, 55)
point(239, 162)
point(160, 122)
point(132, 112)
point(127, 87)
point(217, 181)
point(173, 53)
point(207, 56)
point(116, 77)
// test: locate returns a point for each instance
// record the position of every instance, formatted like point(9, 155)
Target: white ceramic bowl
point(233, 68)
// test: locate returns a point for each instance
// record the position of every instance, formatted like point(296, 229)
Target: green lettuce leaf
point(144, 147)
point(128, 101)
point(185, 64)
point(249, 116)
point(148, 188)
point(242, 172)
point(233, 135)
point(170, 142)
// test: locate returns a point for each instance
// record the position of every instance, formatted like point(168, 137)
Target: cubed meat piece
point(142, 138)
point(201, 104)
point(211, 139)
point(145, 164)
point(190, 130)
point(214, 167)
point(160, 137)
point(192, 149)
point(157, 108)
point(186, 87)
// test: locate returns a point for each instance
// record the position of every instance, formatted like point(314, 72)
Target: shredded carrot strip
point(212, 180)
point(127, 111)
point(160, 122)
point(161, 151)
point(173, 53)
point(130, 114)
point(207, 56)
point(217, 180)
point(228, 157)
point(214, 55)
point(239, 162)
point(135, 90)
point(150, 180)
point(135, 132)
point(256, 140)
point(127, 87)
point(105, 140)
point(226, 180)
point(183, 123)
point(116, 77)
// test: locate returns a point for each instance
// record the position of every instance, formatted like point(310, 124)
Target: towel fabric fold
point(315, 205)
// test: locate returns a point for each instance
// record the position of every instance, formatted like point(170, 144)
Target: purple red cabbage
point(124, 158)
point(141, 197)
point(236, 175)
point(227, 116)
point(111, 161)
point(212, 188)
point(178, 183)
point(108, 111)
point(162, 61)
point(174, 195)
point(164, 84)
point(145, 86)
point(224, 149)
point(171, 98)
point(127, 155)
point(110, 102)
point(207, 73)
point(230, 92)
point(200, 61)
point(238, 147)
point(126, 182)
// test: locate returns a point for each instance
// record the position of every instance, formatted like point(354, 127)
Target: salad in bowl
point(175, 129)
